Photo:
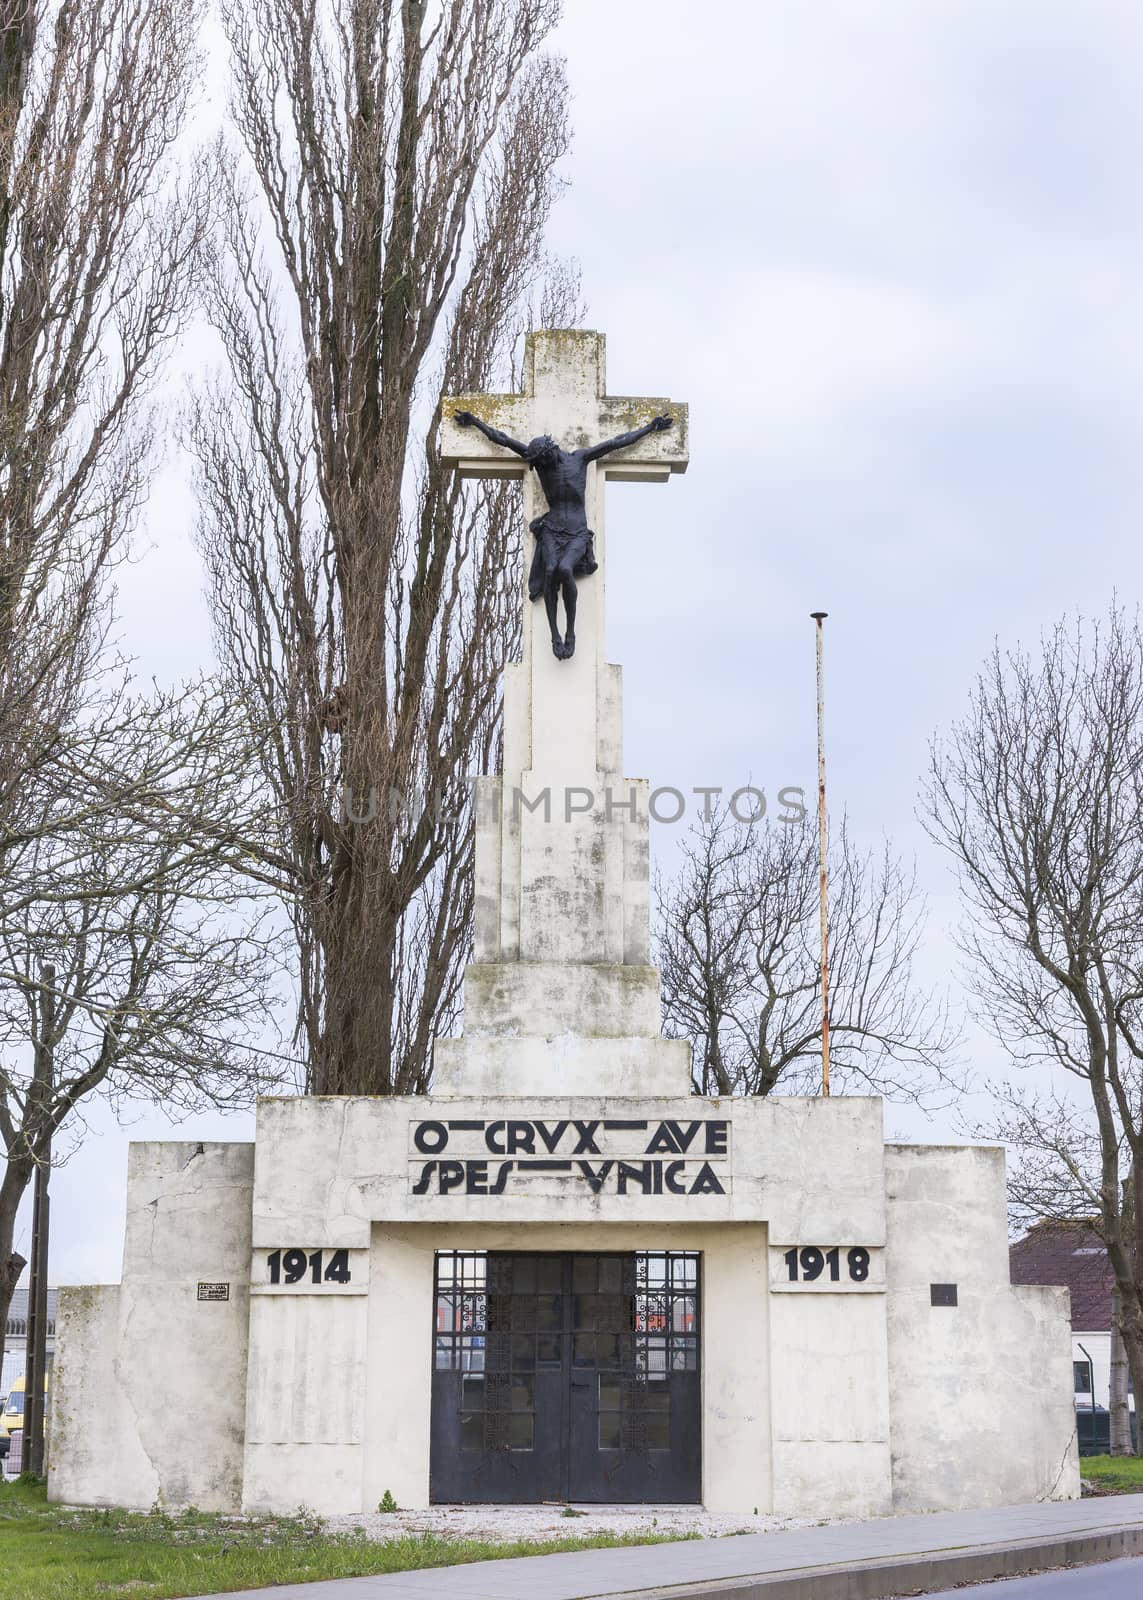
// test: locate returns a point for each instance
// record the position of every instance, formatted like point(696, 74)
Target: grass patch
point(50, 1553)
point(1114, 1474)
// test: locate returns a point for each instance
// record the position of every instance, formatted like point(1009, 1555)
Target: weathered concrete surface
point(831, 1413)
point(87, 1402)
point(337, 1171)
point(565, 1065)
point(562, 852)
point(307, 1411)
point(328, 1168)
point(819, 1398)
point(607, 1000)
point(1093, 1554)
point(981, 1396)
point(151, 1392)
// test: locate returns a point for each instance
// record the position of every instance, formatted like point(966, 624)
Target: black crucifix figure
point(565, 545)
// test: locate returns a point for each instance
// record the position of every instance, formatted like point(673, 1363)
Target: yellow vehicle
point(13, 1413)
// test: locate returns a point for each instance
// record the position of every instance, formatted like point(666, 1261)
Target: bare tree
point(1037, 793)
point(134, 958)
point(738, 947)
point(96, 247)
point(403, 154)
point(95, 254)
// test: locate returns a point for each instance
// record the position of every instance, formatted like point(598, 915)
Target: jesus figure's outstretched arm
point(657, 425)
point(466, 419)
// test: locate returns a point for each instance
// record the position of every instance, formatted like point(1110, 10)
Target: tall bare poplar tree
point(400, 155)
point(95, 247)
point(96, 243)
point(1037, 793)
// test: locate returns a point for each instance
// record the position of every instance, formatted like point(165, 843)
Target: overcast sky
point(891, 255)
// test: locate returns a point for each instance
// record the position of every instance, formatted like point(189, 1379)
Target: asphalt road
point(1106, 1580)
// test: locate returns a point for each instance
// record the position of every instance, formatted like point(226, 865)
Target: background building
point(1071, 1255)
point(16, 1336)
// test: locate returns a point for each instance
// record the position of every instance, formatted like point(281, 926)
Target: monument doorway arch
point(566, 1376)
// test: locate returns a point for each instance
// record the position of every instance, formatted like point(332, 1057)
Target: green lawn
point(48, 1553)
point(1114, 1474)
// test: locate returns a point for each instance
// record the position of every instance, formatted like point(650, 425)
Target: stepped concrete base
point(566, 1065)
point(546, 999)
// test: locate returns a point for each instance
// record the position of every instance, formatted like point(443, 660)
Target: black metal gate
point(566, 1377)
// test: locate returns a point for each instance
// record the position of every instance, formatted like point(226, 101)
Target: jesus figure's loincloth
point(559, 543)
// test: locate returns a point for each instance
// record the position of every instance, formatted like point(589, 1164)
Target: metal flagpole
point(819, 617)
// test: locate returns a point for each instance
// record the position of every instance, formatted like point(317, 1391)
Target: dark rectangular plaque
point(213, 1291)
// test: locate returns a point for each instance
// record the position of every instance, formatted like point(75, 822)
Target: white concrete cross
point(565, 396)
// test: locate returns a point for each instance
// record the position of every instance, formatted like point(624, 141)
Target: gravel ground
point(549, 1522)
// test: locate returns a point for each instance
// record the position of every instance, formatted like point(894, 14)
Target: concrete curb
point(911, 1575)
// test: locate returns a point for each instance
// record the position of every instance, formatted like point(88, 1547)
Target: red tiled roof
point(1071, 1255)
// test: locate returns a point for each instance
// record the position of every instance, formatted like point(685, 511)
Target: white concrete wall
point(981, 1393)
point(87, 1403)
point(327, 1168)
point(830, 1377)
point(513, 999)
point(305, 1412)
point(153, 1381)
point(336, 1172)
point(820, 1398)
point(567, 1064)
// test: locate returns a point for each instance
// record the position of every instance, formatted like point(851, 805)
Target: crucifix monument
point(562, 860)
point(562, 1275)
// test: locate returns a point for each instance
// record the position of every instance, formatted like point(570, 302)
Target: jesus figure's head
point(543, 451)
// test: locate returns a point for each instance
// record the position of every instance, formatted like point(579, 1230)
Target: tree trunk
point(15, 1181)
point(1118, 1404)
point(356, 1051)
point(1131, 1330)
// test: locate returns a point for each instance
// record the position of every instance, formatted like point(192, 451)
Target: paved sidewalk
point(853, 1559)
